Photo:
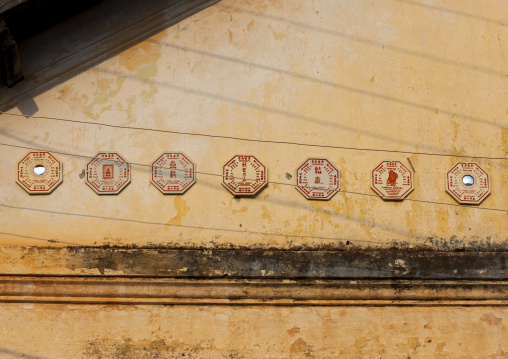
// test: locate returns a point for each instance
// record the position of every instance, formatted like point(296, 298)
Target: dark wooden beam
point(10, 66)
point(6, 5)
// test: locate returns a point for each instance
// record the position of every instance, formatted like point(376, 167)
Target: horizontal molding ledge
point(149, 291)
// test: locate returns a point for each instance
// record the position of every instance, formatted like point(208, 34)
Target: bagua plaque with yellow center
point(108, 173)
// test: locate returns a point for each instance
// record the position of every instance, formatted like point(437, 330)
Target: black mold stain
point(157, 349)
point(453, 243)
point(290, 264)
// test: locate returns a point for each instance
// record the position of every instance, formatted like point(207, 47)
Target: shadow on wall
point(379, 44)
point(301, 117)
point(16, 354)
point(215, 185)
point(65, 44)
point(108, 27)
point(363, 219)
point(454, 12)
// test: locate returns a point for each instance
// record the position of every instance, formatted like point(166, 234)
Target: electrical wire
point(272, 182)
point(182, 225)
point(256, 140)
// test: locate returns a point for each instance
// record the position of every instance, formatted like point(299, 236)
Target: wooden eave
point(52, 54)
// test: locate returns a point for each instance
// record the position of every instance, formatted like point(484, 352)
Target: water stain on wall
point(141, 59)
point(491, 319)
point(181, 211)
point(107, 90)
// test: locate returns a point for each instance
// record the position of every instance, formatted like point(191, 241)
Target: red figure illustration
point(107, 172)
point(392, 178)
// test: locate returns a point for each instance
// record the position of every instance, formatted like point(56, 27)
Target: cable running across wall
point(272, 182)
point(183, 225)
point(256, 140)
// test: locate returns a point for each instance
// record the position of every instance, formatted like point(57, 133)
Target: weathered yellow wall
point(416, 76)
point(239, 332)
point(399, 75)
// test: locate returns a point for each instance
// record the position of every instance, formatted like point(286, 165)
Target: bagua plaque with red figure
point(108, 173)
point(173, 173)
point(317, 178)
point(392, 180)
point(468, 183)
point(39, 172)
point(244, 175)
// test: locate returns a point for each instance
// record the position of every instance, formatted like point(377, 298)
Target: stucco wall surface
point(140, 332)
point(402, 75)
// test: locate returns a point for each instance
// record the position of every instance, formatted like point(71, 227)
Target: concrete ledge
point(85, 275)
point(96, 290)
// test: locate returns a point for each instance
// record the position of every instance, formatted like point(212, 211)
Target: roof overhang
point(41, 50)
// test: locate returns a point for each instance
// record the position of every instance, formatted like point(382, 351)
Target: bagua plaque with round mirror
point(468, 183)
point(39, 172)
